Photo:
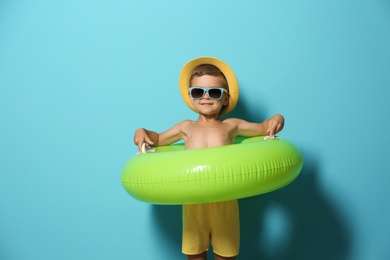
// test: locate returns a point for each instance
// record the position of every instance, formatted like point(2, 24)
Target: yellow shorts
point(216, 223)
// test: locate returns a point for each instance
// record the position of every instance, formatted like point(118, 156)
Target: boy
point(209, 87)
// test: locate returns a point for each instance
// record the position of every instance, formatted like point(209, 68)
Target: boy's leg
point(225, 226)
point(196, 230)
point(202, 256)
point(218, 257)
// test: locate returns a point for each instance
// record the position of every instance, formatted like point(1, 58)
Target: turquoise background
point(78, 77)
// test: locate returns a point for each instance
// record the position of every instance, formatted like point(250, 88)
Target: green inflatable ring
point(172, 175)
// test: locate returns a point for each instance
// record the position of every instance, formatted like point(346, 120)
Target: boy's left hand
point(275, 125)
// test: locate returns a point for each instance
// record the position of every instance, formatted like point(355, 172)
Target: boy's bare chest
point(202, 136)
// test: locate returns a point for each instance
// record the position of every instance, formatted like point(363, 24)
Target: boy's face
point(207, 105)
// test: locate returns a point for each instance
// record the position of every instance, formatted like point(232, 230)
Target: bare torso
point(202, 134)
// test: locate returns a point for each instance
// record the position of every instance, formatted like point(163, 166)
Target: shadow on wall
point(297, 222)
point(294, 223)
point(241, 111)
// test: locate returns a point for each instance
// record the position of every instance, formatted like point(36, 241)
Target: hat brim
point(185, 74)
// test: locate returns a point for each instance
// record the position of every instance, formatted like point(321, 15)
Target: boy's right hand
point(141, 136)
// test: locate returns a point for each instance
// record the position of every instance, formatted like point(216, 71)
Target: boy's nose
point(206, 95)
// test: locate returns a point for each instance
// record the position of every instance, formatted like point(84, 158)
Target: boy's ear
point(226, 101)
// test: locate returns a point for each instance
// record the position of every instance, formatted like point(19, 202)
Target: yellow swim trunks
point(216, 223)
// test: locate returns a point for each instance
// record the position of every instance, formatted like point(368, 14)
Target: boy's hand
point(275, 124)
point(141, 136)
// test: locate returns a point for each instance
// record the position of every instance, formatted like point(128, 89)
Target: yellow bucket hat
point(185, 74)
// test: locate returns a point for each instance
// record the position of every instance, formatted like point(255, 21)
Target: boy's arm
point(270, 127)
point(149, 137)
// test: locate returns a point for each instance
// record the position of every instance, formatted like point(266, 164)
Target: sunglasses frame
point(206, 90)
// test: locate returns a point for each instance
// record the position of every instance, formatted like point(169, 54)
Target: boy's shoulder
point(184, 123)
point(235, 122)
point(232, 120)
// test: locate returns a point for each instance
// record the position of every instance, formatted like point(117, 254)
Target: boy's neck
point(206, 118)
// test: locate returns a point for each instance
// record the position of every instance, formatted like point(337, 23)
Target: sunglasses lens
point(215, 93)
point(197, 93)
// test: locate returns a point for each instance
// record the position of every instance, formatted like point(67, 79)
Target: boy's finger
point(140, 146)
point(271, 129)
point(270, 132)
point(147, 139)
